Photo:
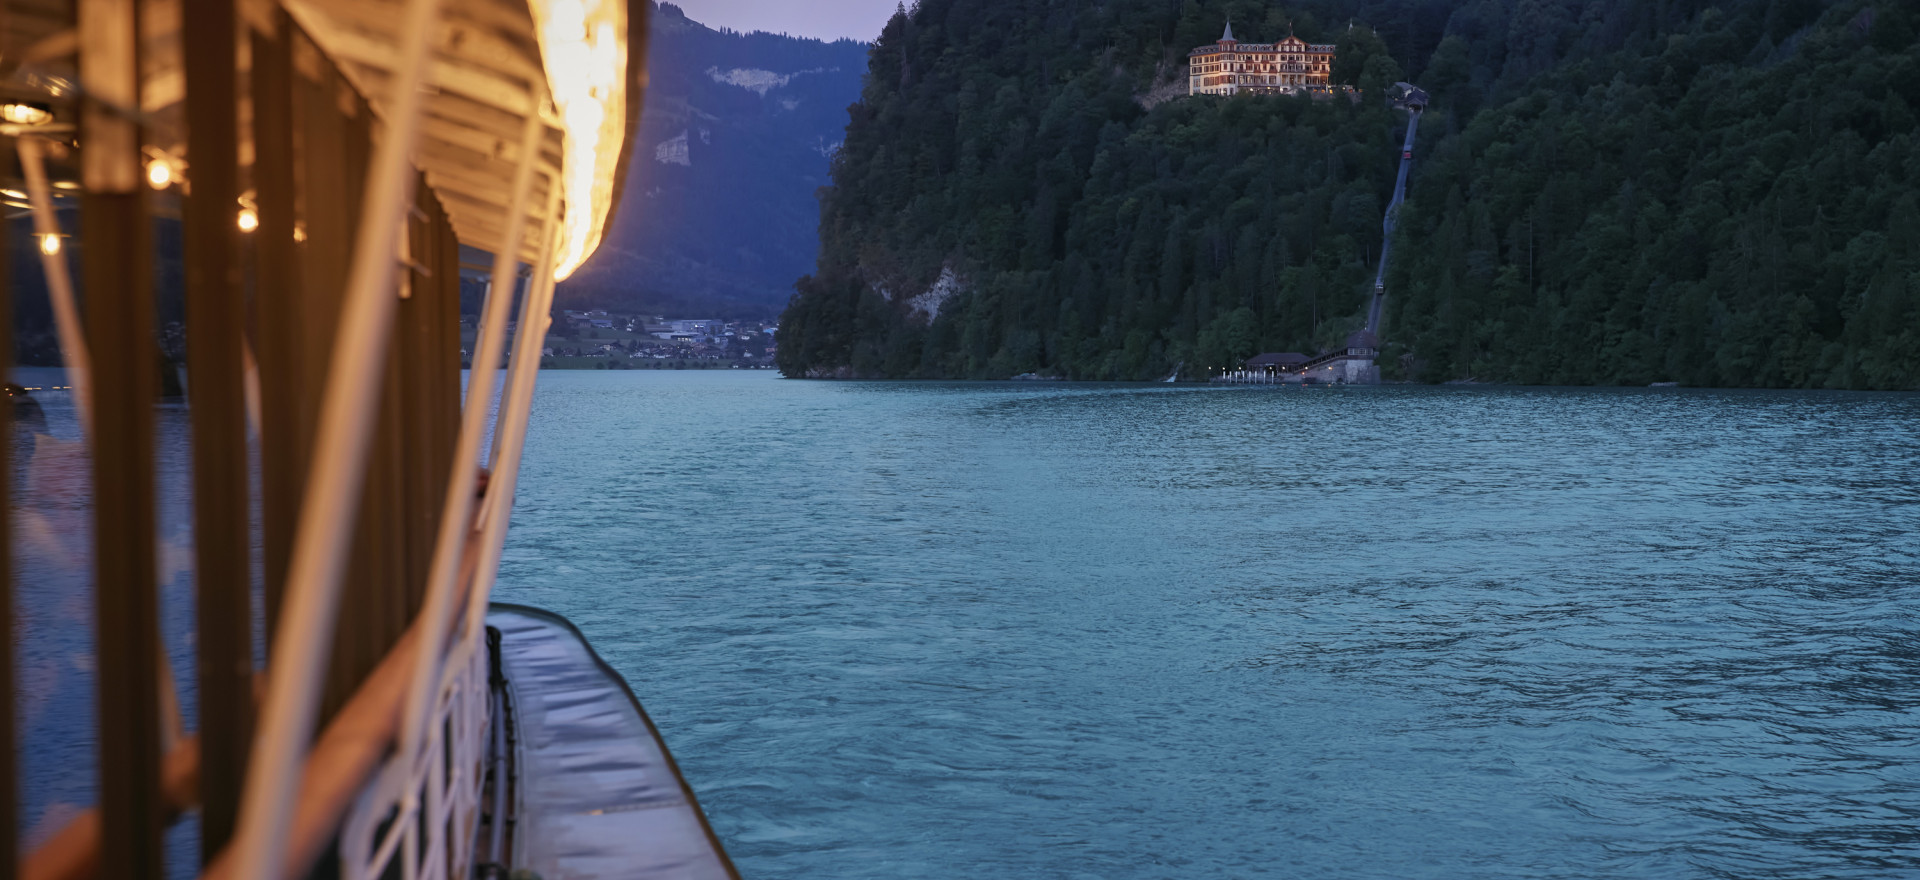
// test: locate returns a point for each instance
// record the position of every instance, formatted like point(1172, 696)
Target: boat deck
point(599, 795)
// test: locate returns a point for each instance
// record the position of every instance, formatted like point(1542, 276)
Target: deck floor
point(599, 795)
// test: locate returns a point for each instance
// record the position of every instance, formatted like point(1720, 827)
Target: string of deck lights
point(583, 51)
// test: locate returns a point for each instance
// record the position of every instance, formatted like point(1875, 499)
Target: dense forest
point(1714, 192)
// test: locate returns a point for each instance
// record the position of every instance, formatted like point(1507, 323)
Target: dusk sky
point(822, 19)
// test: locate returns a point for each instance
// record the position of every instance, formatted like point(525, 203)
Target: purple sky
point(822, 19)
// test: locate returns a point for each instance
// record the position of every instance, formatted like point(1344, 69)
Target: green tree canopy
point(1719, 192)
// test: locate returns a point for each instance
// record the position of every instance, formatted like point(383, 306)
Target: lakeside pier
point(1352, 364)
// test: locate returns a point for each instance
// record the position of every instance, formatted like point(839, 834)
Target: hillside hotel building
point(1290, 67)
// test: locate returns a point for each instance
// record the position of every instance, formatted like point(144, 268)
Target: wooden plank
point(383, 518)
point(463, 56)
point(378, 548)
point(327, 196)
point(216, 322)
point(448, 368)
point(471, 220)
point(364, 55)
point(414, 339)
point(453, 134)
point(9, 761)
point(277, 306)
point(453, 166)
point(478, 31)
point(117, 261)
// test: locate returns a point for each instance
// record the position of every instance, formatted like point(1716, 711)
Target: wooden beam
point(416, 335)
point(480, 31)
point(116, 253)
point(330, 195)
point(216, 326)
point(118, 259)
point(366, 57)
point(485, 186)
point(463, 128)
point(9, 762)
point(277, 306)
point(505, 52)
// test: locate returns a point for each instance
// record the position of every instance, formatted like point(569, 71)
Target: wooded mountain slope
point(718, 216)
point(1717, 193)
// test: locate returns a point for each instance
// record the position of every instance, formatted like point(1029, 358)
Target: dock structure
point(1352, 364)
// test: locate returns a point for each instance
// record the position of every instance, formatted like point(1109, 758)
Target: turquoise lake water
point(1096, 631)
point(897, 630)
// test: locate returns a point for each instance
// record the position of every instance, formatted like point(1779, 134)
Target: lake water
point(1097, 631)
point(54, 637)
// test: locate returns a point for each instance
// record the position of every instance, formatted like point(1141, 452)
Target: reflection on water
point(905, 630)
point(54, 650)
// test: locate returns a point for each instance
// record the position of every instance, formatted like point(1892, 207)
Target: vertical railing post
point(456, 522)
point(9, 762)
point(115, 243)
point(516, 408)
point(435, 845)
point(277, 305)
point(297, 663)
point(216, 327)
point(414, 340)
point(53, 263)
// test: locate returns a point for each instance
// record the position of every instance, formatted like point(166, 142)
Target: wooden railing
point(313, 139)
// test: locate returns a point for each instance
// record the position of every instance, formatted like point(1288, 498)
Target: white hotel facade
point(1229, 67)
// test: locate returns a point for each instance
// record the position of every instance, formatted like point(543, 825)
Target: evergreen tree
point(1717, 192)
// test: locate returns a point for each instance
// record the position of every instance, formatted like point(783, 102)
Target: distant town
point(600, 340)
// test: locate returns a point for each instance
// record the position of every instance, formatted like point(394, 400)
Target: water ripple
point(1129, 632)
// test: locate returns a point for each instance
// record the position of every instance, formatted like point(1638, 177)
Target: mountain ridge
point(719, 214)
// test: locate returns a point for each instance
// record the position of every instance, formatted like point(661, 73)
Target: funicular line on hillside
point(1354, 363)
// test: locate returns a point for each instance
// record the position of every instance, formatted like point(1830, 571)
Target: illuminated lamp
point(22, 113)
point(159, 174)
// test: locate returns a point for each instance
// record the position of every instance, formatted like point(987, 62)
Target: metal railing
point(436, 771)
point(441, 780)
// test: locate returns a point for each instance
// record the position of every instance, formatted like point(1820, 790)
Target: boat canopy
point(495, 63)
point(329, 162)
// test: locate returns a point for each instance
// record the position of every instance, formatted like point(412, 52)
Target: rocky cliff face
point(719, 215)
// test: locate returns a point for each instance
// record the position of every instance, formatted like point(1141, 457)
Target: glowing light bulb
point(249, 221)
point(25, 114)
point(159, 174)
point(50, 244)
